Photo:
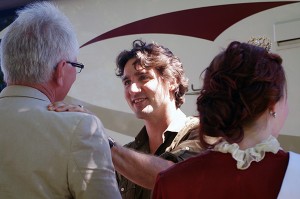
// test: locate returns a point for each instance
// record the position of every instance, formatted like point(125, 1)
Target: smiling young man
point(154, 88)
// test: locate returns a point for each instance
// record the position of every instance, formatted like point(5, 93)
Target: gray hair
point(35, 43)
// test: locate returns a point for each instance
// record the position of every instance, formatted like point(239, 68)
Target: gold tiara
point(263, 42)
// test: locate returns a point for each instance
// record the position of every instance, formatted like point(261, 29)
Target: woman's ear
point(272, 110)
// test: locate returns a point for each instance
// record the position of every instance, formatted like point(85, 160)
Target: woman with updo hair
point(243, 86)
point(243, 102)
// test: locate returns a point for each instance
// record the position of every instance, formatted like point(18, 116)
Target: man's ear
point(172, 85)
point(59, 73)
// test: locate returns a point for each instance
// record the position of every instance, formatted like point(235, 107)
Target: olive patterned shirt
point(181, 141)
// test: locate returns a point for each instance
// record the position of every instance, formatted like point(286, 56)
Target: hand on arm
point(63, 107)
point(140, 168)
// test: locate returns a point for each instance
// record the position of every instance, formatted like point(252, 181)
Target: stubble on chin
point(143, 113)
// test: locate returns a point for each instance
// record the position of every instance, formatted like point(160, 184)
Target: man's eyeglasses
point(78, 66)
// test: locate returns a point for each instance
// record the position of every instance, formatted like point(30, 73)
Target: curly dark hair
point(240, 84)
point(162, 59)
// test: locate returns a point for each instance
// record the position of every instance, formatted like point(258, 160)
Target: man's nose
point(134, 88)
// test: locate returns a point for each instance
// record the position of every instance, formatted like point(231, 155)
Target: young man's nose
point(134, 87)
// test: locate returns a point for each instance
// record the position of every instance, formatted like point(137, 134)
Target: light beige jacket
point(46, 154)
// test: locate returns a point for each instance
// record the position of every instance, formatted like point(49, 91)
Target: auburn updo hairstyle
point(239, 85)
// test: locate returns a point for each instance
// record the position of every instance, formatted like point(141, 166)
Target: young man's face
point(145, 91)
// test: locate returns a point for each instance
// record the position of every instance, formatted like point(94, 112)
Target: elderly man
point(46, 154)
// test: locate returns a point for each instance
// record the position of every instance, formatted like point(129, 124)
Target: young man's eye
point(126, 83)
point(144, 77)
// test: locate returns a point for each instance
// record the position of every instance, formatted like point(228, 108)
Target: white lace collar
point(245, 157)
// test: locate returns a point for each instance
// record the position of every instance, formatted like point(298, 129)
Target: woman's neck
point(256, 133)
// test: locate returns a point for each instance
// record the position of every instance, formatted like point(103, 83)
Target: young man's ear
point(59, 72)
point(172, 85)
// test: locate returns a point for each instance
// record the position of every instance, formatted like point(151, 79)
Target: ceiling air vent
point(287, 34)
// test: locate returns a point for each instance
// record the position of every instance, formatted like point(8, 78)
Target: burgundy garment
point(214, 175)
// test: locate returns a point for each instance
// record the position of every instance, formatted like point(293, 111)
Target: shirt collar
point(23, 91)
point(178, 122)
point(174, 127)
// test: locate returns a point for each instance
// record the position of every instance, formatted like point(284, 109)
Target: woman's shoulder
point(193, 164)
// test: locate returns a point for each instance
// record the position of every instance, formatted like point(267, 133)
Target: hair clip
point(263, 42)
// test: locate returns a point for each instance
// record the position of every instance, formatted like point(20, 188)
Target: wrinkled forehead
point(133, 65)
point(133, 71)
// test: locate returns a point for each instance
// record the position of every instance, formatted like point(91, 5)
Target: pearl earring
point(273, 114)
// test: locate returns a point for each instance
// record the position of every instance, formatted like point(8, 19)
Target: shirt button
point(187, 148)
point(122, 189)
